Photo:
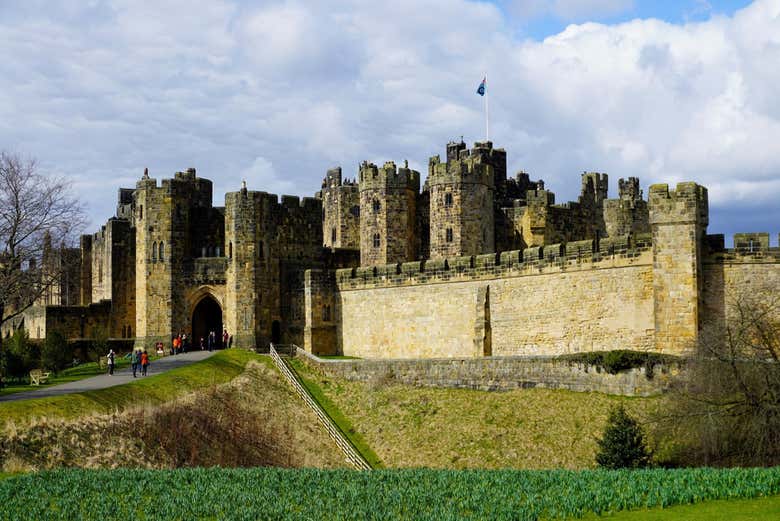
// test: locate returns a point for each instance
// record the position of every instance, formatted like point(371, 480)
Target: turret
point(388, 206)
point(461, 201)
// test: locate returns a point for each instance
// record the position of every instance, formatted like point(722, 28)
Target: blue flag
point(481, 88)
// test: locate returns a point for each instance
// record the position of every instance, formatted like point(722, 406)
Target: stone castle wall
point(499, 374)
point(467, 307)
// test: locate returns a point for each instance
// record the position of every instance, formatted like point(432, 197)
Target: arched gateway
point(206, 316)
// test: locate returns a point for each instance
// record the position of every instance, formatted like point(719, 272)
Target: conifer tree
point(623, 442)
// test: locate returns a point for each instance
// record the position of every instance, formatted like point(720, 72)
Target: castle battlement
point(387, 177)
point(554, 258)
point(687, 203)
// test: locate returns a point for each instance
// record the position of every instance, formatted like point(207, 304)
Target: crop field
point(271, 493)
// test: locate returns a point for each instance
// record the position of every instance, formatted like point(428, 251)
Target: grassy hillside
point(253, 420)
point(458, 428)
point(217, 369)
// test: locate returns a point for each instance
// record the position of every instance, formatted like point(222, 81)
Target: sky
point(278, 92)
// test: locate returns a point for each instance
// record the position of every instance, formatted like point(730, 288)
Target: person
point(201, 343)
point(212, 337)
point(184, 342)
point(110, 356)
point(225, 337)
point(144, 362)
point(136, 359)
point(230, 341)
point(176, 345)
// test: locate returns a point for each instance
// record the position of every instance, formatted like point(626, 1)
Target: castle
point(471, 263)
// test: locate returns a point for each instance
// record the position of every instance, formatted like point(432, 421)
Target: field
point(340, 494)
point(408, 426)
point(217, 369)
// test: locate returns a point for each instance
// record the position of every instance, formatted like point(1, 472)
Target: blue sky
point(277, 92)
point(538, 19)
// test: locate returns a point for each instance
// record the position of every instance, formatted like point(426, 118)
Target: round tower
point(388, 204)
point(462, 195)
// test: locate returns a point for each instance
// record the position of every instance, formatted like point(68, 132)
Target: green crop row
point(387, 494)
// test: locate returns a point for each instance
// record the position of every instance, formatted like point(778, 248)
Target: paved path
point(119, 377)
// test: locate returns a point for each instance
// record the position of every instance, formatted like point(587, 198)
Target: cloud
point(279, 92)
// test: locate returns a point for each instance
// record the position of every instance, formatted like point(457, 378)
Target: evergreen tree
point(623, 442)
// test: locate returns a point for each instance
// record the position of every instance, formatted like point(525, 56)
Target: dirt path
point(119, 377)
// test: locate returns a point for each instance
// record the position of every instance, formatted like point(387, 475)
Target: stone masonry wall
point(499, 374)
point(533, 308)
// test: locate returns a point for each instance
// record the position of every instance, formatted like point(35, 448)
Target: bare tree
point(37, 215)
point(727, 409)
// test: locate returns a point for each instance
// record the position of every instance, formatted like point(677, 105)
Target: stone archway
point(206, 317)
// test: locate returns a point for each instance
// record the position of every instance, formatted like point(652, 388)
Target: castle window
point(376, 240)
point(326, 313)
point(230, 250)
point(449, 234)
point(141, 212)
point(260, 250)
point(129, 331)
point(154, 252)
point(375, 205)
point(355, 211)
point(448, 199)
point(218, 252)
point(162, 251)
point(333, 235)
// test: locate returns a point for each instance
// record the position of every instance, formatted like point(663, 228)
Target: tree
point(727, 409)
point(36, 212)
point(623, 443)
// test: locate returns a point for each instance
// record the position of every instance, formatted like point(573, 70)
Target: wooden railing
point(353, 456)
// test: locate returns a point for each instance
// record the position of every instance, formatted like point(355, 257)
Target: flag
point(481, 88)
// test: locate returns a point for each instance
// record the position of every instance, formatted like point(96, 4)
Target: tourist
point(184, 342)
point(110, 358)
point(201, 344)
point(144, 362)
point(225, 337)
point(136, 359)
point(212, 338)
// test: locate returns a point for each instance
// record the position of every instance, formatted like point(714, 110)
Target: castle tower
point(165, 243)
point(246, 259)
point(628, 213)
point(388, 206)
point(341, 211)
point(462, 200)
point(594, 192)
point(679, 221)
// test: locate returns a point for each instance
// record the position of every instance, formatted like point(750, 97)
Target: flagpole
point(487, 111)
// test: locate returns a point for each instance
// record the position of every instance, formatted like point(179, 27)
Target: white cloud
point(280, 92)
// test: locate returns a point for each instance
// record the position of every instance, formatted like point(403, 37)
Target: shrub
point(55, 353)
point(623, 442)
point(20, 355)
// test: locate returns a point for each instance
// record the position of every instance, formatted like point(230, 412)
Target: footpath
point(119, 377)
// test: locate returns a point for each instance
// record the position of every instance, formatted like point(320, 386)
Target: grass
point(273, 493)
point(71, 374)
point(336, 415)
point(411, 426)
point(217, 369)
point(733, 510)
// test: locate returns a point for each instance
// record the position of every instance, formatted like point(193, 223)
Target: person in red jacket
point(144, 362)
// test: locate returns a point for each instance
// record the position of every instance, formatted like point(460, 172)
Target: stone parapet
point(500, 373)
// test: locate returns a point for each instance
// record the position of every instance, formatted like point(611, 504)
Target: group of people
point(180, 344)
point(139, 360)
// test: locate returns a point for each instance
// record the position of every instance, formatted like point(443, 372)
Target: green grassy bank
point(217, 369)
